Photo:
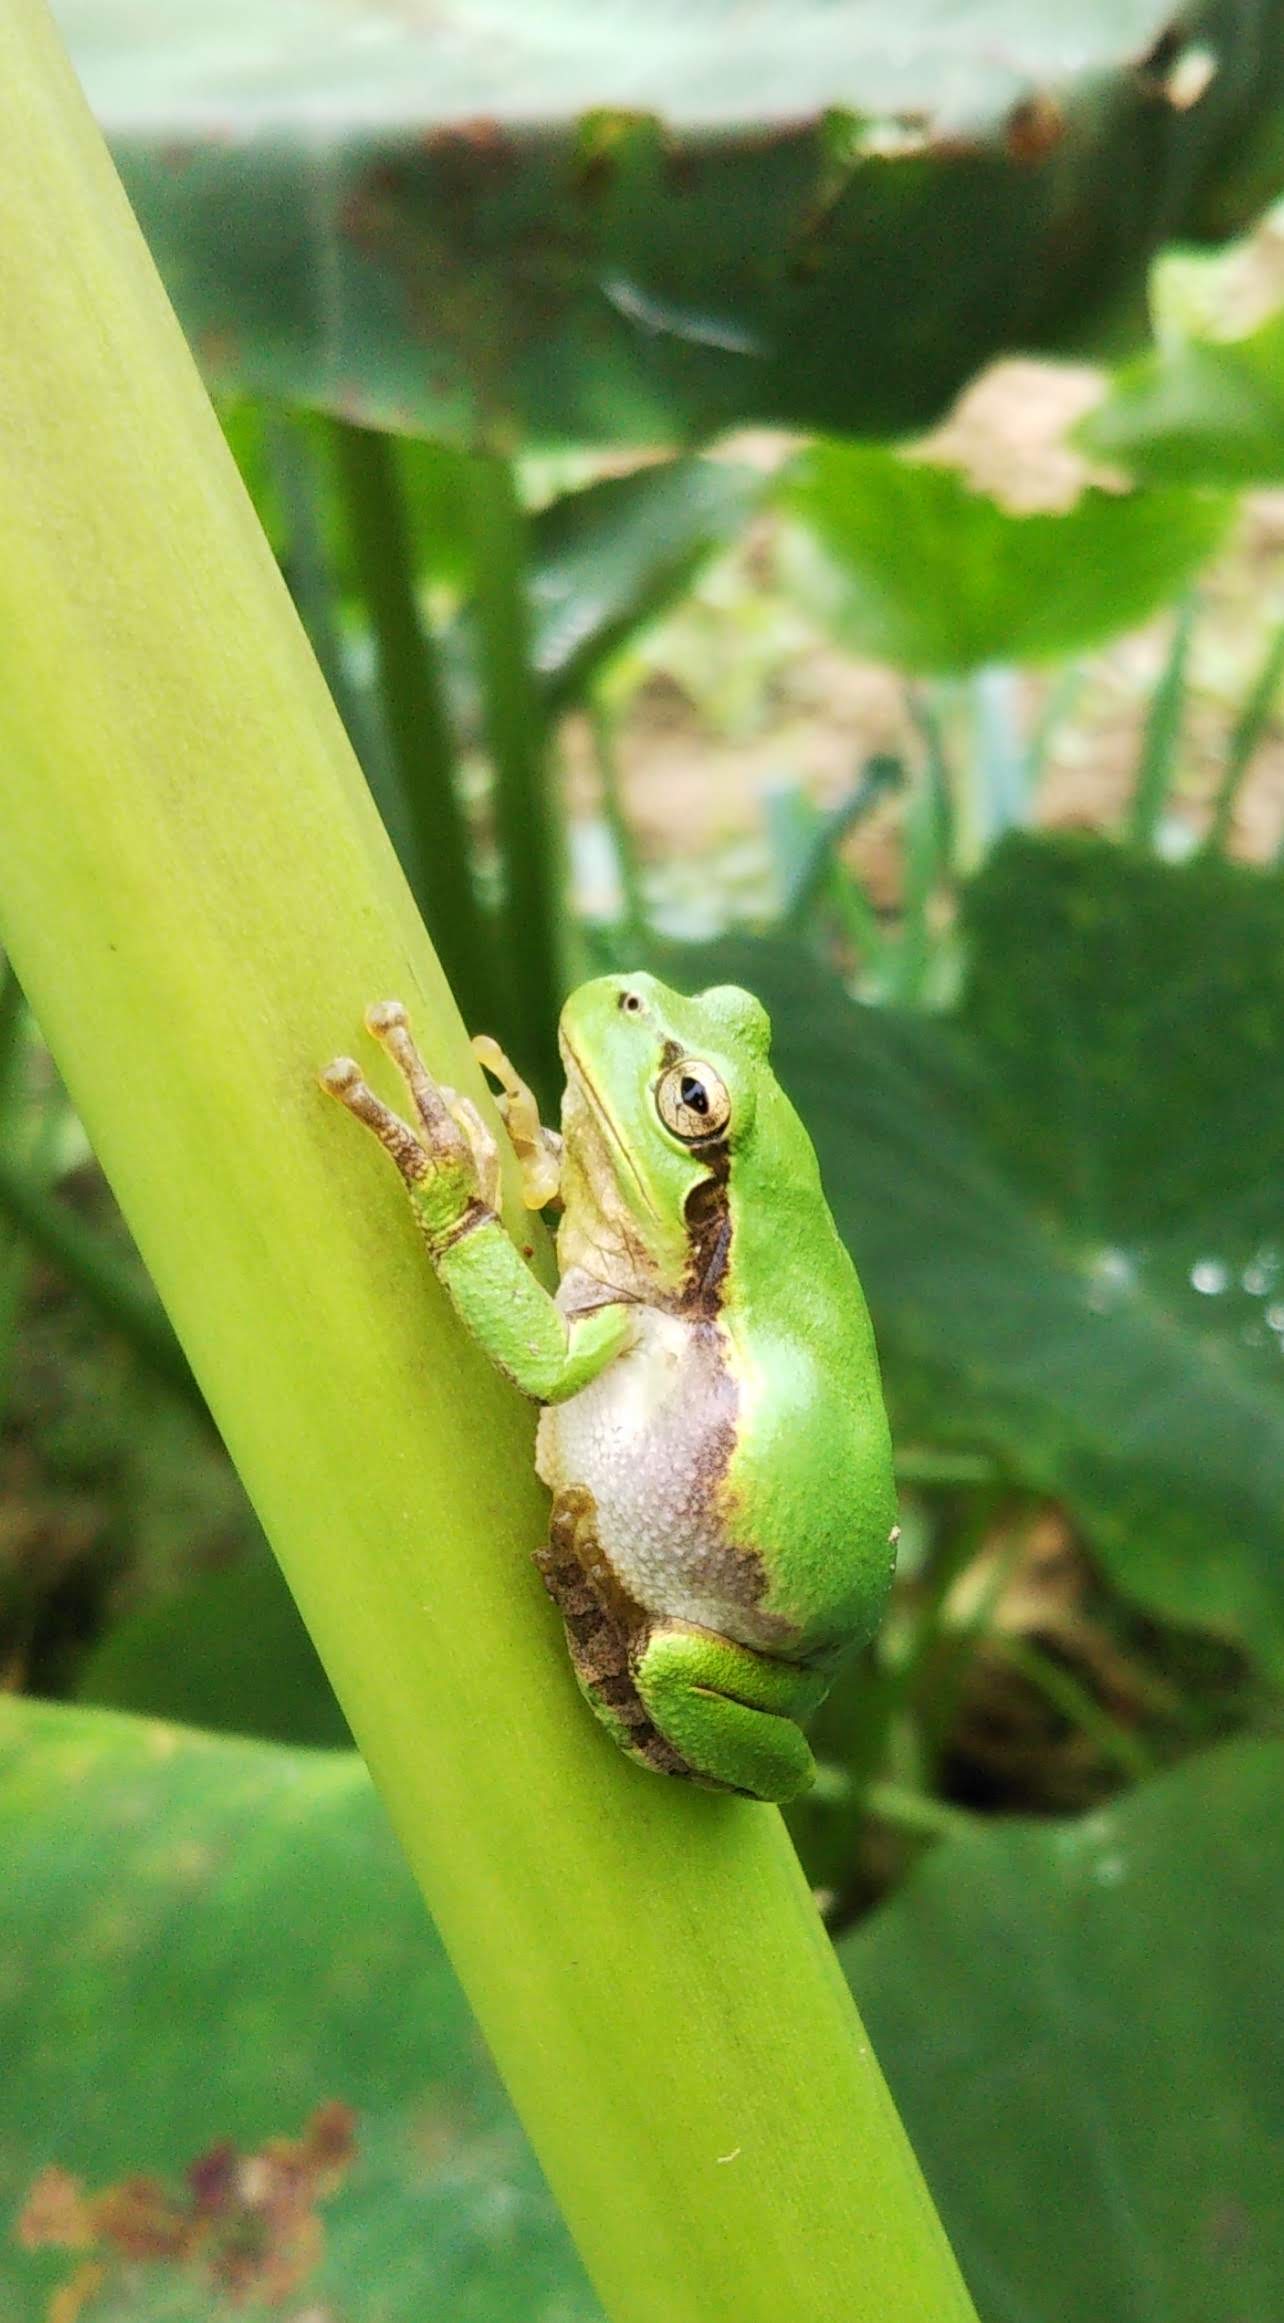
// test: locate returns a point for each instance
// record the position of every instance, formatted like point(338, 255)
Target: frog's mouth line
point(607, 1125)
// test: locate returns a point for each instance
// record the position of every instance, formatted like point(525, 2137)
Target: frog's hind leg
point(731, 1714)
point(603, 1630)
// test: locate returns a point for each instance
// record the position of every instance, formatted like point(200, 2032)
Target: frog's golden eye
point(693, 1101)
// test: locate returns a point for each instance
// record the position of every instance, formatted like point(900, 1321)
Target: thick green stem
point(526, 815)
point(199, 897)
point(416, 718)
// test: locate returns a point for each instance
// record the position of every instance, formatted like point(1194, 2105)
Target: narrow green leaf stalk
point(15, 1255)
point(199, 897)
point(82, 1257)
point(290, 448)
point(1247, 733)
point(1072, 1701)
point(1162, 739)
point(416, 718)
point(526, 812)
point(634, 932)
point(822, 874)
point(928, 852)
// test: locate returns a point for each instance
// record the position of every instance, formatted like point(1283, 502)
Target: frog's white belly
point(650, 1439)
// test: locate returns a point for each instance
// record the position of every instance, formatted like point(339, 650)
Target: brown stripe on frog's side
point(603, 1629)
point(737, 1571)
point(708, 1223)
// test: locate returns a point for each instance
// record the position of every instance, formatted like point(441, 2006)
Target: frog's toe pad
point(384, 1016)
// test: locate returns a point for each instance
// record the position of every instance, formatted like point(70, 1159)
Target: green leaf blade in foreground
point(1102, 2122)
point(206, 1941)
point(199, 899)
point(1067, 1205)
point(1197, 411)
point(917, 568)
point(1082, 2025)
point(586, 223)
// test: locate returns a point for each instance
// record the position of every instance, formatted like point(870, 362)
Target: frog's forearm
point(513, 1318)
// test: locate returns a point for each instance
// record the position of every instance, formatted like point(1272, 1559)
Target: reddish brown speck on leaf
point(218, 348)
point(482, 133)
point(1228, 2228)
point(1035, 128)
point(212, 2176)
point(682, 168)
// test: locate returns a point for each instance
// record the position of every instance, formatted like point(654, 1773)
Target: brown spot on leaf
point(247, 2221)
point(1035, 128)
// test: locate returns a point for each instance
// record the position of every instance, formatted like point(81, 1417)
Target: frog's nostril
point(632, 1003)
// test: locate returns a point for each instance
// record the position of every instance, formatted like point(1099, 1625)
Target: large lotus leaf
point(207, 1945)
point(589, 220)
point(1082, 2028)
point(1067, 1204)
point(916, 568)
point(1198, 411)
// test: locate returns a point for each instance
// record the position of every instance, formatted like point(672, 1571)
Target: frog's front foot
point(450, 1162)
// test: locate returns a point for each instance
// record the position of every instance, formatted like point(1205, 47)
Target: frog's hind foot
point(732, 1714)
point(601, 1621)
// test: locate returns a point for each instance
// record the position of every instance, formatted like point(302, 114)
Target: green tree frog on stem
point(712, 1426)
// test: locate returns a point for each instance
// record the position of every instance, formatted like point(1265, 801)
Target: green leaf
point(228, 1652)
point(586, 222)
point(1197, 411)
point(1083, 2032)
point(918, 569)
point(1067, 1206)
point(205, 1941)
point(610, 557)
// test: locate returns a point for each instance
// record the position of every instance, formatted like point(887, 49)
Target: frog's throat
point(602, 1115)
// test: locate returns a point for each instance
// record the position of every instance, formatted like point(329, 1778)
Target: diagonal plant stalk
point(199, 897)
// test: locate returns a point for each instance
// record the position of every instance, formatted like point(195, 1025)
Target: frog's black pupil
point(694, 1094)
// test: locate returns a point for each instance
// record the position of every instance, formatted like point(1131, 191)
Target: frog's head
point(662, 1096)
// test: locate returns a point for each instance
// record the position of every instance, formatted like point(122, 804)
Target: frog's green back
point(810, 1481)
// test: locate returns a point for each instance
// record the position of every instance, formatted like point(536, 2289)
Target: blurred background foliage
point(583, 402)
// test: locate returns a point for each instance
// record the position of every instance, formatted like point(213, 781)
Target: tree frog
point(712, 1428)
